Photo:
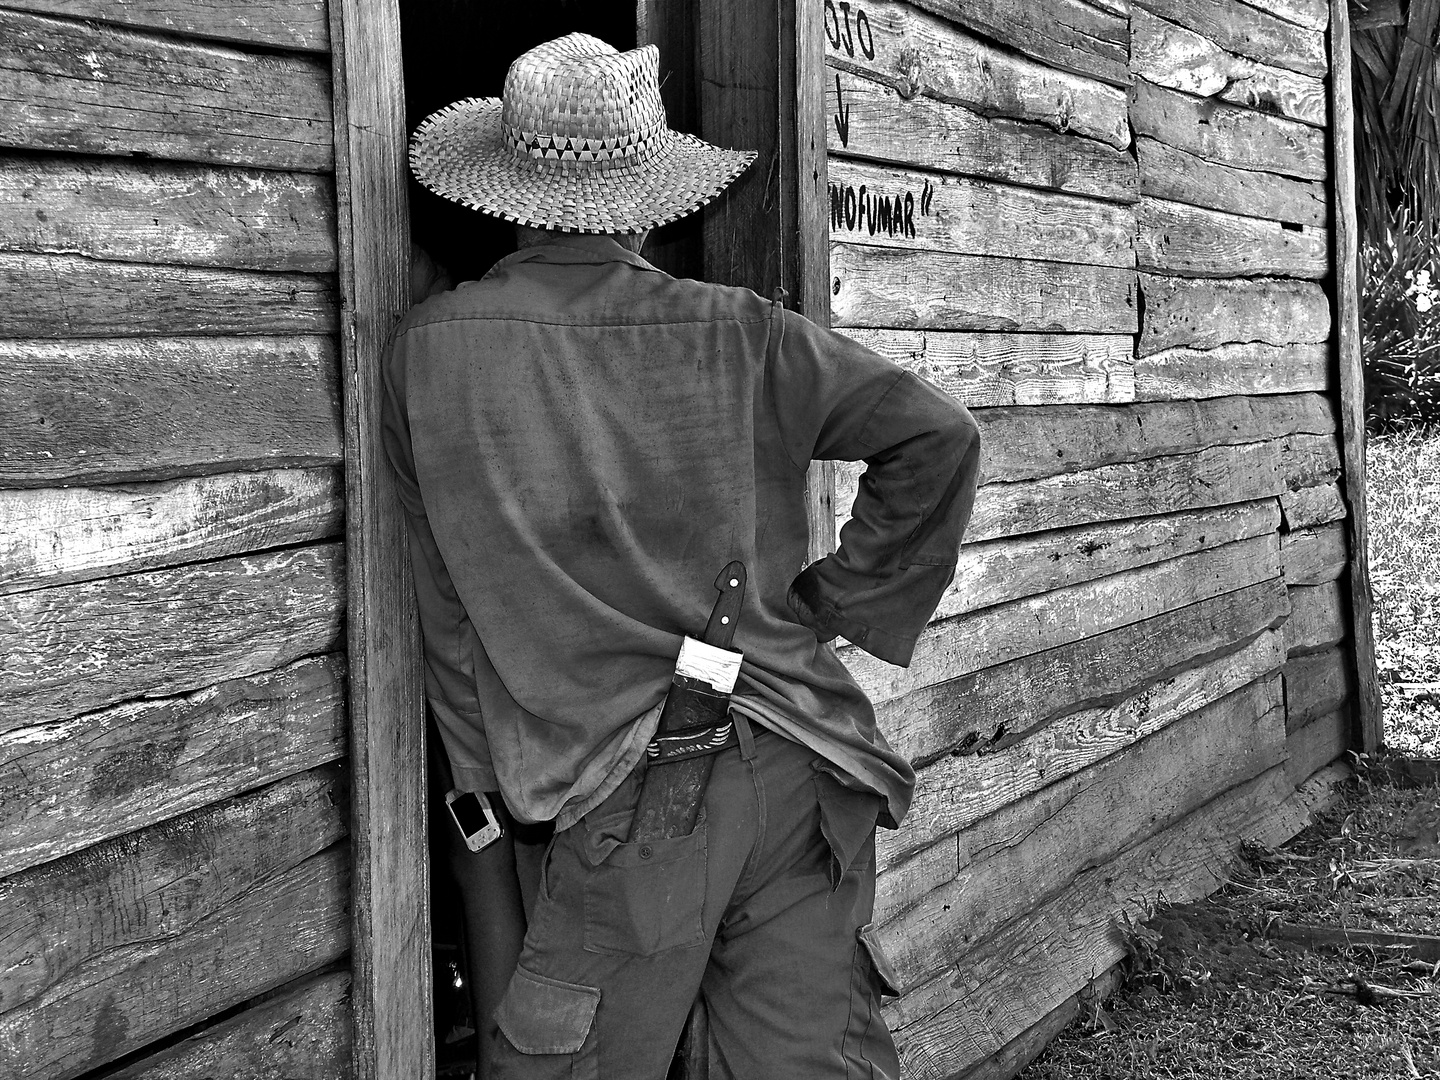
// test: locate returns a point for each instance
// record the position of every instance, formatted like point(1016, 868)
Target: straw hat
point(578, 143)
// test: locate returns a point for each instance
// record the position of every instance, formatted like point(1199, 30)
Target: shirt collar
point(574, 248)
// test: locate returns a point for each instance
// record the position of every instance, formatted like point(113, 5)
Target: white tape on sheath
point(719, 667)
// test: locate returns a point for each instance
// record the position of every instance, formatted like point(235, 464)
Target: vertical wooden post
point(1352, 376)
point(391, 976)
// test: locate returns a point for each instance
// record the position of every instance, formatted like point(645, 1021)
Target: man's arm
point(838, 400)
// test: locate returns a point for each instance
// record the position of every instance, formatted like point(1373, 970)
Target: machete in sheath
point(694, 721)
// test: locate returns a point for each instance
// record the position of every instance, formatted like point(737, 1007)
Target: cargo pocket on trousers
point(548, 1018)
point(648, 897)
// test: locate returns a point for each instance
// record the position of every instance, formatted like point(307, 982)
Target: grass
point(1403, 491)
point(1208, 992)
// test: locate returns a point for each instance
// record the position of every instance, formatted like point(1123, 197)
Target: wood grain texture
point(1318, 618)
point(68, 296)
point(76, 648)
point(303, 1031)
point(1066, 34)
point(130, 996)
point(390, 916)
point(1311, 14)
point(984, 369)
point(1318, 743)
point(1029, 851)
point(1036, 962)
point(990, 710)
point(56, 536)
point(1210, 477)
point(1313, 556)
point(1055, 751)
point(286, 24)
point(869, 119)
point(1308, 507)
point(1173, 238)
point(1027, 443)
point(1168, 173)
point(1316, 685)
point(1227, 134)
point(1352, 381)
point(1169, 55)
point(916, 53)
point(60, 919)
point(146, 212)
point(65, 785)
point(1248, 367)
point(84, 87)
point(1013, 567)
point(888, 287)
point(1204, 313)
point(107, 411)
point(906, 208)
point(1011, 1059)
point(1309, 459)
point(1245, 30)
point(996, 635)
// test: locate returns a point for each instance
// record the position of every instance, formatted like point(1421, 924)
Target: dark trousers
point(760, 911)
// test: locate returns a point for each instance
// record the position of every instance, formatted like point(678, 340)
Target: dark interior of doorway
point(455, 49)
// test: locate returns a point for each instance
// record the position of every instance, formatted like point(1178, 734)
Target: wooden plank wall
point(1103, 227)
point(174, 883)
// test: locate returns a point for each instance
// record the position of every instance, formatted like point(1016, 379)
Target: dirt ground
point(1212, 990)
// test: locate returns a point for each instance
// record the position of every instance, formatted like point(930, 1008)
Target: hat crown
point(577, 100)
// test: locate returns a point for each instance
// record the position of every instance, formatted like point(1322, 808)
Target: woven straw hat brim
point(458, 153)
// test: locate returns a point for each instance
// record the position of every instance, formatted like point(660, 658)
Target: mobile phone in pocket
point(476, 819)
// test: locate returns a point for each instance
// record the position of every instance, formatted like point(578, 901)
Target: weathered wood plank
point(990, 710)
point(304, 1031)
point(871, 120)
point(68, 296)
point(892, 207)
point(1313, 556)
point(1168, 173)
point(916, 53)
point(1169, 55)
point(1027, 443)
point(938, 290)
point(1249, 367)
point(987, 369)
point(1209, 477)
point(1318, 743)
point(83, 87)
point(55, 536)
point(1352, 375)
point(1066, 34)
point(1010, 568)
point(1318, 618)
point(1010, 1060)
point(1227, 134)
point(60, 919)
point(66, 785)
point(1174, 238)
point(1311, 14)
point(1309, 507)
point(1308, 459)
point(190, 215)
point(945, 803)
point(1031, 850)
point(130, 996)
point(1036, 962)
point(1246, 31)
point(996, 635)
point(907, 882)
point(286, 24)
point(1374, 14)
point(128, 409)
point(1316, 685)
point(75, 648)
point(1202, 313)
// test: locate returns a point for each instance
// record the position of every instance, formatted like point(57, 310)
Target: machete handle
point(720, 630)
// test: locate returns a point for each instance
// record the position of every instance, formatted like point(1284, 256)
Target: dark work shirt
point(582, 442)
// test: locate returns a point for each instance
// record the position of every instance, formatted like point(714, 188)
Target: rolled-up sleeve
point(835, 399)
point(449, 636)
